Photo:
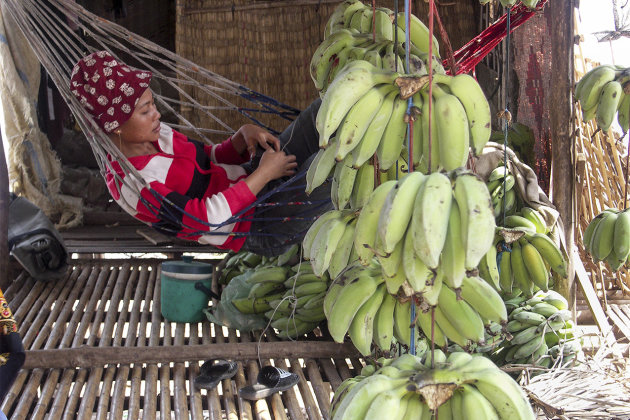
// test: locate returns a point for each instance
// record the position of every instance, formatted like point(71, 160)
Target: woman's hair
point(107, 88)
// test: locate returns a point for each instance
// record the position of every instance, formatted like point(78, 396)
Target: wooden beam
point(561, 127)
point(89, 357)
point(4, 220)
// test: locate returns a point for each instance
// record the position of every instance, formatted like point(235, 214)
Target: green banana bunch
point(349, 36)
point(537, 325)
point(396, 388)
point(607, 238)
point(481, 390)
point(330, 241)
point(531, 259)
point(601, 95)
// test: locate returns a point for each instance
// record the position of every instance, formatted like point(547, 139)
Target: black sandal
point(270, 380)
point(211, 373)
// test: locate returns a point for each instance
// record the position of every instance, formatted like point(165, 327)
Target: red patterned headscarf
point(107, 88)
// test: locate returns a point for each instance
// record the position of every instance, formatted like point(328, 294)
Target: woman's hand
point(249, 136)
point(273, 165)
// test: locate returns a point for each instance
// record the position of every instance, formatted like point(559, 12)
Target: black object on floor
point(211, 373)
point(270, 380)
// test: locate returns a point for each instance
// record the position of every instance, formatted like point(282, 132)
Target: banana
point(397, 210)
point(591, 90)
point(326, 241)
point(367, 222)
point(390, 59)
point(343, 178)
point(472, 98)
point(549, 251)
point(525, 335)
point(423, 321)
point(387, 404)
point(556, 299)
point(384, 323)
point(341, 257)
point(477, 223)
point(357, 401)
point(394, 135)
point(608, 103)
point(623, 113)
point(354, 81)
point(529, 317)
point(353, 295)
point(402, 322)
point(453, 256)
point(416, 271)
point(363, 186)
point(535, 265)
point(269, 274)
point(535, 217)
point(475, 406)
point(461, 315)
point(320, 168)
point(418, 33)
point(311, 288)
point(325, 53)
point(390, 261)
point(544, 308)
point(338, 18)
point(484, 298)
point(602, 241)
point(394, 282)
point(383, 25)
point(362, 326)
point(373, 57)
point(429, 222)
point(490, 268)
point(621, 236)
point(430, 158)
point(256, 305)
point(331, 296)
point(505, 395)
point(452, 129)
point(310, 235)
point(449, 330)
point(521, 276)
point(358, 118)
point(520, 222)
point(505, 272)
point(263, 289)
point(433, 287)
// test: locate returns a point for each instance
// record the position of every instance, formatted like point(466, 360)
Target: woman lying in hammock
point(200, 186)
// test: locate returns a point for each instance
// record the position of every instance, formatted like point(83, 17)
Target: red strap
point(468, 56)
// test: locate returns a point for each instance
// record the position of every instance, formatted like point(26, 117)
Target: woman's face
point(144, 123)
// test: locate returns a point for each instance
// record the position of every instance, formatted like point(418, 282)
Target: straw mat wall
point(267, 46)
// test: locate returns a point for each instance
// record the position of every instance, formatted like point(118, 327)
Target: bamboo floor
point(98, 348)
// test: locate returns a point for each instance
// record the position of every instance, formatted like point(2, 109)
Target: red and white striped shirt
point(206, 181)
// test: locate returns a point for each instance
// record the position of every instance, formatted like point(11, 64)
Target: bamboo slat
point(111, 309)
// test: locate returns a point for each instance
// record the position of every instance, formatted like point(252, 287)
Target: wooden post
point(4, 220)
point(561, 121)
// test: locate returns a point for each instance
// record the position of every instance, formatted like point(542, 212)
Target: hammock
point(61, 32)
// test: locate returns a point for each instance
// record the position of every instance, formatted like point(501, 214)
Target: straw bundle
point(598, 388)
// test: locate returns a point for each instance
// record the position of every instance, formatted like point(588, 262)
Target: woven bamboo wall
point(267, 46)
point(601, 181)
